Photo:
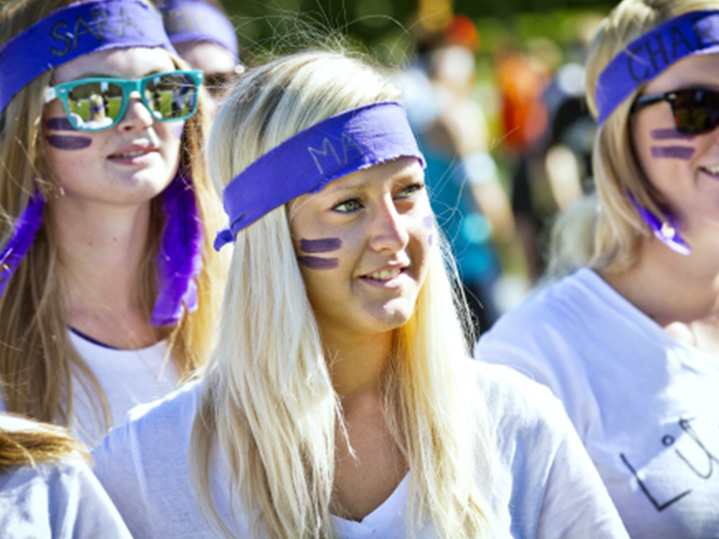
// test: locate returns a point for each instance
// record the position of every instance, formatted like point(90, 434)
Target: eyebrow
point(404, 174)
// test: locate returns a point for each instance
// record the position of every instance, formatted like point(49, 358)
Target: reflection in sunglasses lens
point(170, 96)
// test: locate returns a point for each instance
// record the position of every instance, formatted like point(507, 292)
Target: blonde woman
point(345, 405)
point(629, 342)
point(108, 282)
point(47, 488)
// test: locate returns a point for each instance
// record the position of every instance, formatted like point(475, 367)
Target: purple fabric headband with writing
point(643, 59)
point(188, 20)
point(353, 140)
point(73, 31)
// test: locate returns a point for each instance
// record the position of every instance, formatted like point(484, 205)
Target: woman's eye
point(348, 206)
point(410, 190)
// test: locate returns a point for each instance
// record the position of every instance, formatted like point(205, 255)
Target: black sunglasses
point(695, 110)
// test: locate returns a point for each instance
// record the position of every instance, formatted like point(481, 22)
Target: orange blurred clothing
point(522, 81)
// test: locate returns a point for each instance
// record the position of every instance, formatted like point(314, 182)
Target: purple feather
point(667, 233)
point(179, 260)
point(26, 226)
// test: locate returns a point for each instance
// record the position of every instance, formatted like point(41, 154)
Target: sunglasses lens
point(94, 105)
point(171, 96)
point(696, 111)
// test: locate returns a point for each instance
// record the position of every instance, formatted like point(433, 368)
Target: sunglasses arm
point(50, 94)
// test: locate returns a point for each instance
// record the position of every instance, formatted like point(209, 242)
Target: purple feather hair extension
point(26, 226)
point(179, 259)
point(666, 232)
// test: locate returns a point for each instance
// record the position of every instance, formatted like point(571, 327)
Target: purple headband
point(73, 31)
point(353, 140)
point(188, 20)
point(643, 59)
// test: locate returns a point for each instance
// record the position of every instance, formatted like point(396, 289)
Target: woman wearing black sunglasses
point(629, 342)
point(107, 288)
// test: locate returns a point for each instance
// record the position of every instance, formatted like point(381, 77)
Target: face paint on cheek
point(430, 239)
point(322, 245)
point(672, 152)
point(669, 134)
point(317, 263)
point(65, 142)
point(59, 124)
point(428, 222)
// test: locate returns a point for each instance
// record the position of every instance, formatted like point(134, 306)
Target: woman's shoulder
point(59, 495)
point(563, 299)
point(539, 465)
point(169, 417)
point(510, 395)
point(142, 461)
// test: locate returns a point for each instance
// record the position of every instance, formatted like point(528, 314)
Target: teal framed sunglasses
point(100, 103)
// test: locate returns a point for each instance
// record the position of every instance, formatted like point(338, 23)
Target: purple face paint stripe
point(322, 245)
point(63, 142)
point(428, 222)
point(315, 262)
point(672, 152)
point(430, 240)
point(59, 124)
point(669, 134)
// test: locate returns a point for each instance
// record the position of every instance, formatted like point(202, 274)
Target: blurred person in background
point(629, 341)
point(467, 197)
point(555, 168)
point(204, 36)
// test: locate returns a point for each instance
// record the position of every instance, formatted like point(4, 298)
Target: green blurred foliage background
point(386, 29)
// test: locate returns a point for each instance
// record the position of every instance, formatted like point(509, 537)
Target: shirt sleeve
point(85, 508)
point(116, 468)
point(60, 499)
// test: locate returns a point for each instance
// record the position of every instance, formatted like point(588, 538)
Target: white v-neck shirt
point(542, 484)
point(387, 520)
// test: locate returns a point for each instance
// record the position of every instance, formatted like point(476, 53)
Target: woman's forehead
point(699, 70)
point(132, 62)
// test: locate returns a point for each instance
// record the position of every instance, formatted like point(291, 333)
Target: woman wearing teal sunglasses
point(107, 285)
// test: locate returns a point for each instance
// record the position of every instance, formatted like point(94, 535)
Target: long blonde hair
point(37, 360)
point(618, 228)
point(268, 403)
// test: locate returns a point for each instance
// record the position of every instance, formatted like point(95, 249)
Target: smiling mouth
point(384, 275)
point(714, 171)
point(131, 154)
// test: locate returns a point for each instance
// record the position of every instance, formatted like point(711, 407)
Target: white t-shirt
point(543, 484)
point(57, 499)
point(128, 378)
point(645, 405)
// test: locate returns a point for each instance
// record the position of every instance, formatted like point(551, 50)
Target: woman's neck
point(101, 250)
point(680, 293)
point(357, 362)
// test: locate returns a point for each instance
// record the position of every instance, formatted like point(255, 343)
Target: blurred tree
point(384, 27)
